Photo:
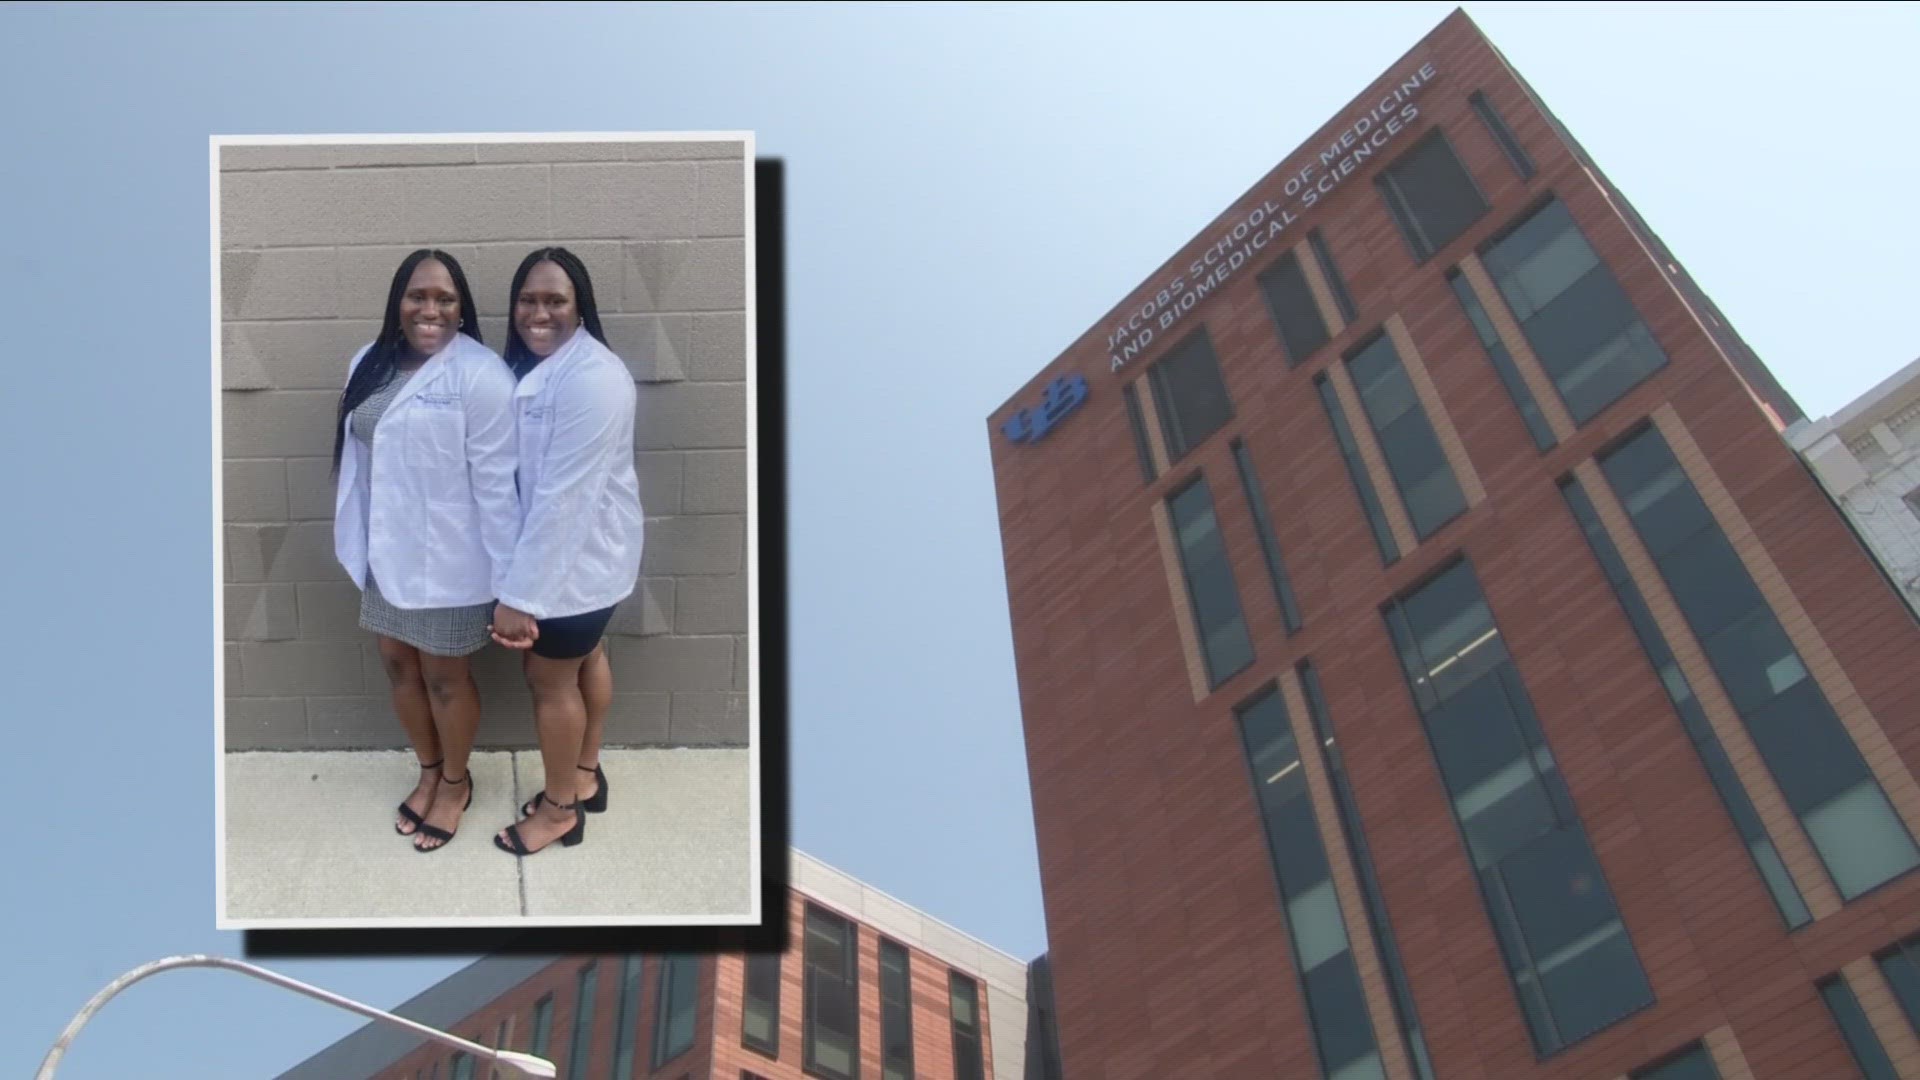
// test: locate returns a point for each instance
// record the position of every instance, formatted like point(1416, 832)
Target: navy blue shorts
point(571, 637)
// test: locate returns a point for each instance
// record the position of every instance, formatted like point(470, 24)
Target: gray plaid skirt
point(459, 631)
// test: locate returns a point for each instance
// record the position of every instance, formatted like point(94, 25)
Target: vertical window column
point(831, 997)
point(760, 1007)
point(542, 1034)
point(896, 1012)
point(1405, 435)
point(582, 1021)
point(1323, 957)
point(1350, 453)
point(1502, 360)
point(1900, 966)
point(674, 1017)
point(1497, 127)
point(969, 1059)
point(626, 1018)
point(1567, 950)
point(1431, 195)
point(1821, 773)
point(1189, 394)
point(1269, 543)
point(1211, 592)
point(1856, 1029)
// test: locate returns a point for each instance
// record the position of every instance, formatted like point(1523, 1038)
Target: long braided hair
point(377, 367)
point(522, 359)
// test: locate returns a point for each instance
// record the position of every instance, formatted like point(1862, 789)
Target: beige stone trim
point(1346, 884)
point(1150, 419)
point(1436, 410)
point(1531, 373)
point(1883, 1011)
point(1867, 733)
point(1322, 292)
point(1182, 605)
point(1803, 864)
point(1728, 1059)
point(1376, 464)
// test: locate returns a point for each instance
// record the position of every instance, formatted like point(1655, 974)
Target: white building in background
point(1868, 457)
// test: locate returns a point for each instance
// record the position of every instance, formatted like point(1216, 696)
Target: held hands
point(513, 629)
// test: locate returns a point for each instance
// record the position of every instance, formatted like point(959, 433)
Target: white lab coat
point(432, 509)
point(582, 526)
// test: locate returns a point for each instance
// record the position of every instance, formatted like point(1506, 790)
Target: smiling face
point(546, 312)
point(430, 308)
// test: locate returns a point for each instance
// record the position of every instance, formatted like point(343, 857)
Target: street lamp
point(523, 1064)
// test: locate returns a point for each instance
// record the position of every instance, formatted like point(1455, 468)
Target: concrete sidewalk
point(309, 835)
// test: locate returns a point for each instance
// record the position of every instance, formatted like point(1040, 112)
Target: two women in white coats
point(426, 518)
point(581, 529)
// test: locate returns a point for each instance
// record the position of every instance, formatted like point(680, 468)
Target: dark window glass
point(1693, 718)
point(1329, 750)
point(673, 1007)
point(542, 1027)
point(831, 1020)
point(1290, 300)
point(461, 1067)
point(1269, 543)
point(1138, 421)
point(1329, 270)
point(627, 1017)
point(760, 1012)
point(583, 1022)
point(1357, 470)
point(1210, 586)
point(499, 1043)
point(1407, 440)
point(1189, 394)
point(1502, 361)
point(1821, 773)
point(1573, 968)
point(1322, 953)
point(1497, 127)
point(964, 999)
point(1430, 195)
point(1901, 966)
point(1693, 1063)
point(1867, 1051)
point(1578, 321)
point(896, 1013)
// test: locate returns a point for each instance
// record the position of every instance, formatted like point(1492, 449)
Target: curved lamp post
point(523, 1064)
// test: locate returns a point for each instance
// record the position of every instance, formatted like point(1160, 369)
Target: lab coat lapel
point(437, 364)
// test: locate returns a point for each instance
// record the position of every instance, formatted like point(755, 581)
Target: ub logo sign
point(1063, 395)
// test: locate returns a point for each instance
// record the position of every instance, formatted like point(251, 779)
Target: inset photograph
point(484, 458)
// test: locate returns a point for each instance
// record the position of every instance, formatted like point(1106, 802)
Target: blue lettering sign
point(1063, 395)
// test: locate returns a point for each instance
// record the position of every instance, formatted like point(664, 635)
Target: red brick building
point(869, 989)
point(1434, 661)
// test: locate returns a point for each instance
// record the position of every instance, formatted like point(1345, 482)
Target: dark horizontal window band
point(1693, 718)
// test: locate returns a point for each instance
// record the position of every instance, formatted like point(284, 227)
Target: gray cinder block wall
point(309, 239)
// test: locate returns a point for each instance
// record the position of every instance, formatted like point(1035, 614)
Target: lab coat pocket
point(436, 439)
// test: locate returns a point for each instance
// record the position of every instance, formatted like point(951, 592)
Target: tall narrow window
point(1190, 394)
point(1295, 313)
point(1497, 127)
point(583, 1022)
point(1766, 857)
point(1331, 271)
point(1821, 773)
point(1574, 314)
point(1431, 196)
point(896, 1013)
point(500, 1043)
point(1357, 470)
point(626, 1018)
point(1400, 425)
point(1269, 543)
point(1211, 591)
point(673, 1009)
point(760, 1011)
point(1336, 1006)
point(1356, 838)
point(1693, 1063)
point(1857, 1030)
point(969, 1062)
point(1901, 966)
point(1572, 965)
point(830, 996)
point(1502, 361)
point(461, 1067)
point(542, 1034)
point(1138, 421)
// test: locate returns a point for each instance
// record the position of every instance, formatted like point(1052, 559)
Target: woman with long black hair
point(581, 532)
point(425, 518)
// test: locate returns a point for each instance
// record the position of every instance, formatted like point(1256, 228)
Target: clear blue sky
point(971, 188)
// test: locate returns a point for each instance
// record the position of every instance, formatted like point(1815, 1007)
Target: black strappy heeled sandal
point(434, 833)
point(595, 805)
point(514, 845)
point(408, 812)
